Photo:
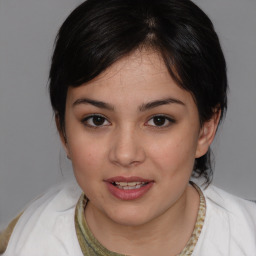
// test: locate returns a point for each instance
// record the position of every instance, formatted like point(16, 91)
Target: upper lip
point(127, 179)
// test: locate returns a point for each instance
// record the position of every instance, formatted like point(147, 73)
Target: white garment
point(47, 226)
point(230, 226)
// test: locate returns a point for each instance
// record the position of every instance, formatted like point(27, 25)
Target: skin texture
point(127, 142)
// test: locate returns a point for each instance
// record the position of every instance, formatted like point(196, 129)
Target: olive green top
point(6, 234)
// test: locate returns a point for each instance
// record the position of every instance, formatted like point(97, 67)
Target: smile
point(128, 188)
point(129, 185)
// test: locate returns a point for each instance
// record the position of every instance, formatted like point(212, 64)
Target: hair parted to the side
point(98, 33)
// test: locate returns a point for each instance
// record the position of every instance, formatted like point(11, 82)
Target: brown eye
point(98, 120)
point(160, 121)
point(95, 121)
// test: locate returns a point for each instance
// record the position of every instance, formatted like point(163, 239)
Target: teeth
point(123, 184)
point(129, 185)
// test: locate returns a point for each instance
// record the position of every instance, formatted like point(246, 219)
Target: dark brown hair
point(98, 33)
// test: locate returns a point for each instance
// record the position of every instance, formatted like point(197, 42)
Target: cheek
point(86, 156)
point(87, 165)
point(174, 152)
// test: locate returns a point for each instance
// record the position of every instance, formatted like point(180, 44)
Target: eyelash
point(85, 121)
point(166, 119)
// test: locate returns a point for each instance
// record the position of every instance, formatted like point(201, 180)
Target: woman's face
point(132, 136)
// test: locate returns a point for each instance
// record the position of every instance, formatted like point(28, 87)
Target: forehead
point(140, 76)
point(137, 66)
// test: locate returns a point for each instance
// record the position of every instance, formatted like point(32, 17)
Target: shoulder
point(46, 223)
point(230, 224)
point(238, 209)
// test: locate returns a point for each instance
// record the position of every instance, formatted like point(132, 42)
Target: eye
point(95, 121)
point(160, 121)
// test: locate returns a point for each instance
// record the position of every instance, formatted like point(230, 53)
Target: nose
point(126, 148)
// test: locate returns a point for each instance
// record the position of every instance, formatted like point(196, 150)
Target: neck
point(168, 233)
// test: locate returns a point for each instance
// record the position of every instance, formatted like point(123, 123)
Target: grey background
point(31, 159)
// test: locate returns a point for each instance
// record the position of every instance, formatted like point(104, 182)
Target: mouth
point(129, 185)
point(128, 188)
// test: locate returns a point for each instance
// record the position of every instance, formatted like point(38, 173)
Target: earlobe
point(207, 134)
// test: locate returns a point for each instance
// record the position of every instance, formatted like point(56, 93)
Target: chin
point(129, 217)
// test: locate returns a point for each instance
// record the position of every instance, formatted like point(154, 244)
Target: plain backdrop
point(31, 159)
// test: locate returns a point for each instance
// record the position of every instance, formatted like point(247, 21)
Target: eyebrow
point(143, 107)
point(157, 103)
point(96, 103)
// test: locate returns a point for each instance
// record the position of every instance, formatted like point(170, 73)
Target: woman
point(138, 89)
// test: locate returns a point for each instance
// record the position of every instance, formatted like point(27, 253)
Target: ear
point(62, 134)
point(207, 134)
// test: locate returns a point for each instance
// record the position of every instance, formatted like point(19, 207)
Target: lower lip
point(130, 194)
